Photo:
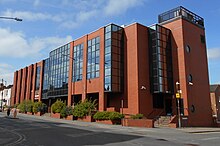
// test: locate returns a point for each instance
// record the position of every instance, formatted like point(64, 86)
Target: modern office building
point(130, 69)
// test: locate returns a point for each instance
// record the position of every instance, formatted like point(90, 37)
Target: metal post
point(122, 105)
point(178, 103)
point(2, 95)
point(179, 114)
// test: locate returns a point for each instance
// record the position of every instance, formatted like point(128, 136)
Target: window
point(37, 85)
point(188, 48)
point(78, 63)
point(190, 79)
point(58, 65)
point(93, 56)
point(161, 62)
point(113, 58)
point(202, 37)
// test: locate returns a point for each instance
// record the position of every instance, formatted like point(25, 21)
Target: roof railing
point(181, 12)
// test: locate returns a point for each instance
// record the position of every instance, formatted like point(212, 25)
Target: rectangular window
point(202, 37)
point(113, 58)
point(93, 56)
point(78, 62)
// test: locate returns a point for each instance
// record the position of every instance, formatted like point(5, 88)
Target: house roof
point(213, 88)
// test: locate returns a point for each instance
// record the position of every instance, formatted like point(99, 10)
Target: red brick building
point(130, 69)
point(215, 101)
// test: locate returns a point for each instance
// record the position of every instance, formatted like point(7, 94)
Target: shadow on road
point(52, 133)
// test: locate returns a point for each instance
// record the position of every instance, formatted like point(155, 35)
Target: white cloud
point(84, 16)
point(80, 18)
point(6, 72)
point(116, 7)
point(6, 1)
point(16, 45)
point(36, 3)
point(31, 16)
point(213, 53)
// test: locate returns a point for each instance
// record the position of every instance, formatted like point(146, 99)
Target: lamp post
point(13, 18)
point(2, 88)
point(178, 96)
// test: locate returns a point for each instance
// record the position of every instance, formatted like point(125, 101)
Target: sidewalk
point(116, 127)
point(200, 129)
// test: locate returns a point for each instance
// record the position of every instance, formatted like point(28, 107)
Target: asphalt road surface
point(34, 131)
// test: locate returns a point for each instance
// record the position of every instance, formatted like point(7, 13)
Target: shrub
point(115, 116)
point(25, 106)
point(66, 111)
point(105, 115)
point(39, 107)
point(84, 108)
point(57, 106)
point(101, 115)
point(30, 105)
point(63, 112)
point(21, 107)
point(69, 110)
point(137, 116)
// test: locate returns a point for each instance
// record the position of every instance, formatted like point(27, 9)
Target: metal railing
point(181, 12)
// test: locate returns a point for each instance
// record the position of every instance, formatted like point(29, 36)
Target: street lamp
point(16, 19)
point(178, 96)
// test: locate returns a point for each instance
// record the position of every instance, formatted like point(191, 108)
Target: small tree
point(25, 106)
point(57, 106)
point(84, 108)
point(29, 106)
point(39, 107)
point(21, 107)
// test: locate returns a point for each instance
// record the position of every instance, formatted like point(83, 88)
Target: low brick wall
point(29, 113)
point(69, 117)
point(55, 115)
point(148, 123)
point(109, 122)
point(86, 119)
point(38, 114)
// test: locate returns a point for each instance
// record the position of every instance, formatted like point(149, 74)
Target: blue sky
point(48, 24)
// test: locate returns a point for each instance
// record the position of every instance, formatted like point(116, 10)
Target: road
point(41, 131)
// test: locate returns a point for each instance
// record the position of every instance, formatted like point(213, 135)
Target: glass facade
point(37, 83)
point(93, 58)
point(78, 63)
point(46, 70)
point(58, 72)
point(114, 38)
point(160, 59)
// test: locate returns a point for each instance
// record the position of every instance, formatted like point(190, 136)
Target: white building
point(5, 96)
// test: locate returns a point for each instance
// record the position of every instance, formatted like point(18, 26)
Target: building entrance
point(168, 106)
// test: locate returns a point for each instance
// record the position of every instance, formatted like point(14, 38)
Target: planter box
point(55, 115)
point(69, 117)
point(30, 113)
point(38, 114)
point(86, 119)
point(110, 122)
point(138, 123)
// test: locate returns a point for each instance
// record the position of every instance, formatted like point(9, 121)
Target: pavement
point(100, 125)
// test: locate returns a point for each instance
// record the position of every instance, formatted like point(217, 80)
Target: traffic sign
point(178, 95)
